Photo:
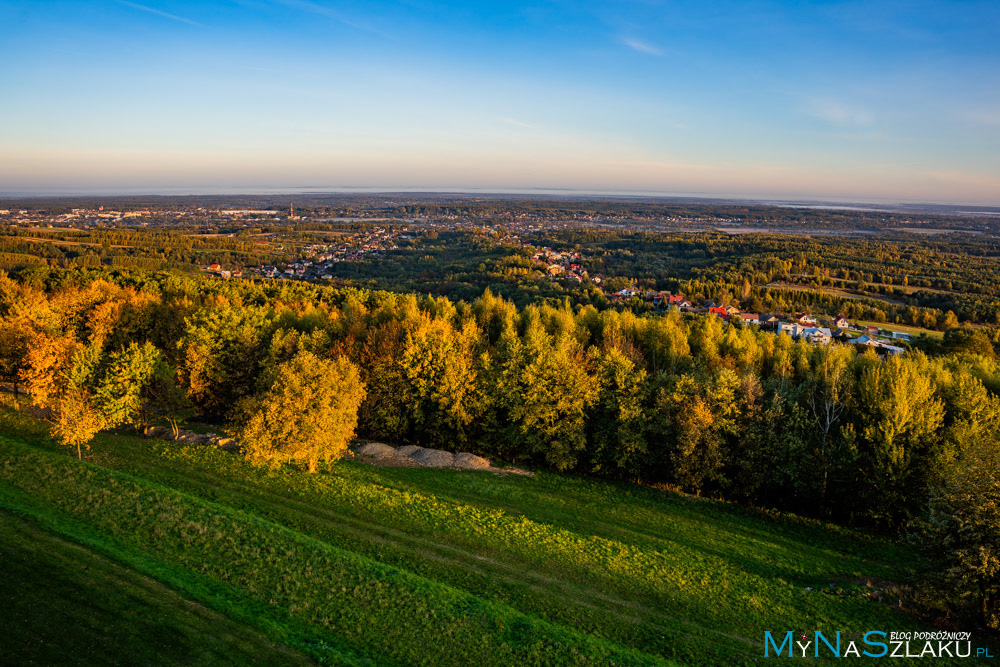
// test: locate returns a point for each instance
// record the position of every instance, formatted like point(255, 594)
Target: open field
point(400, 565)
point(914, 331)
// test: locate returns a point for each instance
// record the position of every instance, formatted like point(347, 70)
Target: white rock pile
point(426, 457)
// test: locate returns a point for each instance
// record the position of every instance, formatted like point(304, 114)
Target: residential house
point(721, 312)
point(841, 322)
point(750, 318)
point(815, 335)
point(881, 348)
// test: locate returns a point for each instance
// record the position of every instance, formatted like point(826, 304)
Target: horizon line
point(550, 192)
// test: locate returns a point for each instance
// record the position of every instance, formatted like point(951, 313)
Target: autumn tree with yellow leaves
point(306, 412)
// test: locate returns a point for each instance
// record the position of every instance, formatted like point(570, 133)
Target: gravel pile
point(467, 461)
point(433, 458)
point(377, 450)
point(407, 450)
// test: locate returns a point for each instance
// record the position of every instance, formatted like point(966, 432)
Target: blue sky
point(834, 100)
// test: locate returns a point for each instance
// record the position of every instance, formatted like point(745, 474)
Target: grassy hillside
point(190, 555)
point(62, 599)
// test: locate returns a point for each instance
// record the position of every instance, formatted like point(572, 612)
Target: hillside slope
point(400, 565)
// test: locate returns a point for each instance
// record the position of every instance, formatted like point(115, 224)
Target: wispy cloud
point(641, 47)
point(330, 13)
point(838, 114)
point(519, 123)
point(158, 12)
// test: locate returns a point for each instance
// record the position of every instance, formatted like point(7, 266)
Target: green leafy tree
point(963, 531)
point(547, 393)
point(74, 414)
point(618, 422)
point(138, 384)
point(222, 351)
point(828, 391)
point(698, 415)
point(441, 384)
point(384, 412)
point(900, 415)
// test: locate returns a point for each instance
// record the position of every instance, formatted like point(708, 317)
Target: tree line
point(904, 444)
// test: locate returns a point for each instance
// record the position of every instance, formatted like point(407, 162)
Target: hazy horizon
point(842, 101)
point(555, 193)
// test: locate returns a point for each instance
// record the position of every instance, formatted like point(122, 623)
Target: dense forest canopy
point(690, 402)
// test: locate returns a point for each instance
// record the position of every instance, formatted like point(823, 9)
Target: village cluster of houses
point(318, 258)
point(565, 265)
point(217, 270)
point(801, 326)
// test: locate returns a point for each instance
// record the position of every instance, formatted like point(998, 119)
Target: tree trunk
point(79, 452)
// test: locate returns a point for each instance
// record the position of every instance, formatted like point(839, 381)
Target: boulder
point(377, 450)
point(467, 461)
point(433, 458)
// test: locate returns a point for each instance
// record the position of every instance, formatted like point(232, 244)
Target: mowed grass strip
point(554, 591)
point(703, 561)
point(384, 613)
point(62, 602)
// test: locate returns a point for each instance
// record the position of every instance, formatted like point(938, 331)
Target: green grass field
point(178, 555)
point(903, 328)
